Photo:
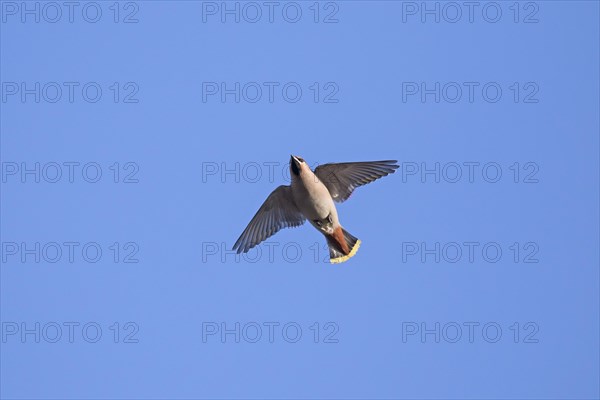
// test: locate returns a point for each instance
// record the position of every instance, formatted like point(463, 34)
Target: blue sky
point(151, 142)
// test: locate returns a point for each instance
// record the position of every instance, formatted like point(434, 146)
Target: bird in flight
point(311, 197)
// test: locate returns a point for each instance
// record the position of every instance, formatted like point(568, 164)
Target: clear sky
point(135, 152)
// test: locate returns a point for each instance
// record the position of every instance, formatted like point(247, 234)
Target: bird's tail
point(342, 245)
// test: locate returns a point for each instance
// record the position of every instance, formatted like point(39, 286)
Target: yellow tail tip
point(341, 259)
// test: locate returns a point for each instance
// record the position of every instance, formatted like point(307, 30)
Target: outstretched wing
point(342, 178)
point(278, 211)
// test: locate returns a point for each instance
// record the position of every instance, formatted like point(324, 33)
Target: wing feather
point(277, 212)
point(342, 178)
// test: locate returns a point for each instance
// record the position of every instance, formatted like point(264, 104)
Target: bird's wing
point(278, 211)
point(341, 179)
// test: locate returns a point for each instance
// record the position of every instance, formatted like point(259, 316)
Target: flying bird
point(312, 196)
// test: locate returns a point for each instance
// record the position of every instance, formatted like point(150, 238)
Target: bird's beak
point(294, 159)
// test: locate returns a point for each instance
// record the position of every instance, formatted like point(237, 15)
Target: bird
point(312, 196)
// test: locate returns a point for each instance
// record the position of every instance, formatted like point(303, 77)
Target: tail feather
point(342, 246)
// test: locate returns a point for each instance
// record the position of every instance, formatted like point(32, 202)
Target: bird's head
point(297, 164)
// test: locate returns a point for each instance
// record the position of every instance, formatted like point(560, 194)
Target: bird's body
point(312, 196)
